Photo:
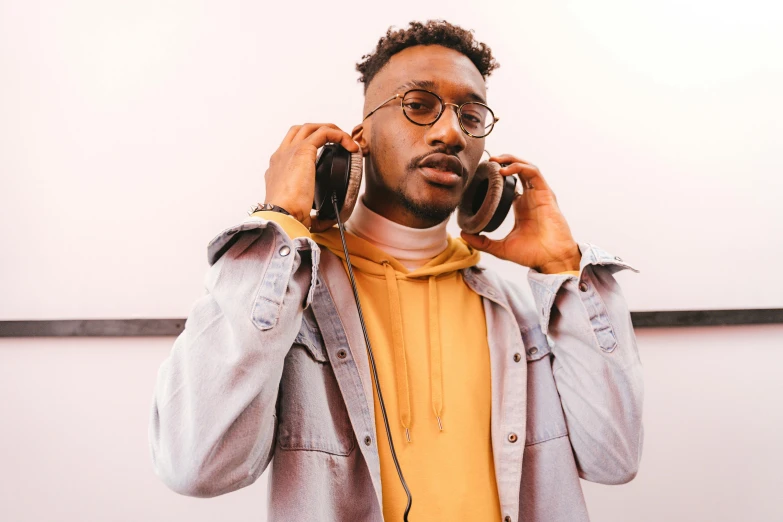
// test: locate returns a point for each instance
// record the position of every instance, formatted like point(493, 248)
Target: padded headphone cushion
point(354, 183)
point(474, 222)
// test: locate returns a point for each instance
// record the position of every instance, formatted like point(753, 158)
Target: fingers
point(290, 135)
point(308, 128)
point(506, 159)
point(326, 135)
point(529, 174)
point(319, 134)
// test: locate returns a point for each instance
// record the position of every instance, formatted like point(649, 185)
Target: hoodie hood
point(368, 258)
point(371, 260)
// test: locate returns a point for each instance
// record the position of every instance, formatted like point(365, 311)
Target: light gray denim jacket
point(254, 377)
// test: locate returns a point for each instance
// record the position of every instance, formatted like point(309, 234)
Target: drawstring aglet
point(407, 434)
point(439, 424)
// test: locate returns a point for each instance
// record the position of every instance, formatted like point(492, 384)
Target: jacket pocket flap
point(271, 292)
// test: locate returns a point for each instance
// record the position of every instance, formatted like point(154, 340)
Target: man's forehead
point(431, 67)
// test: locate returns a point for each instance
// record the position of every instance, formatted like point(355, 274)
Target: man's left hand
point(541, 238)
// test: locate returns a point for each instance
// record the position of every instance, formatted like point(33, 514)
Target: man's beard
point(428, 211)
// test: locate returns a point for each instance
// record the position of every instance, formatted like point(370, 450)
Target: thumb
point(483, 243)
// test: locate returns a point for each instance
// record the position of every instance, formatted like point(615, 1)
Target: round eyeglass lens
point(421, 107)
point(477, 119)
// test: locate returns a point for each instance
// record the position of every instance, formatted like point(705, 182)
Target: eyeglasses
point(423, 107)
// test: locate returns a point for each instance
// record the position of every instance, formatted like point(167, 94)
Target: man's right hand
point(290, 178)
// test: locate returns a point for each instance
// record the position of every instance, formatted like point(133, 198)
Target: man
point(495, 409)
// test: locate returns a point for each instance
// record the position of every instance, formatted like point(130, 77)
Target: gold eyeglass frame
point(443, 105)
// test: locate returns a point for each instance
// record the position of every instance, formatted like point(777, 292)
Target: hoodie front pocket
point(312, 413)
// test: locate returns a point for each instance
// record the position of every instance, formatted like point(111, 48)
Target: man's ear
point(358, 136)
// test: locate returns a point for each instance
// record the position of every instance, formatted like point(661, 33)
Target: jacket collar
point(478, 281)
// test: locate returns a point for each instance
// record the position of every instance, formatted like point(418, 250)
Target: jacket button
point(517, 357)
point(367, 440)
point(507, 519)
point(532, 351)
point(342, 354)
point(583, 286)
point(285, 250)
point(512, 437)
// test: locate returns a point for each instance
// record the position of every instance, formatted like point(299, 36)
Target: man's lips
point(441, 177)
point(442, 169)
point(444, 162)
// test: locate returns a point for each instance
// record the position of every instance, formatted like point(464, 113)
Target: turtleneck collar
point(412, 247)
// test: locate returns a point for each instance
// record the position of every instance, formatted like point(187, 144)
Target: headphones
point(485, 203)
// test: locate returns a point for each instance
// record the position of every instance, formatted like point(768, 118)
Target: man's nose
point(447, 130)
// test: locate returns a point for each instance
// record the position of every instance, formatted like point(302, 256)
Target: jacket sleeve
point(597, 369)
point(212, 425)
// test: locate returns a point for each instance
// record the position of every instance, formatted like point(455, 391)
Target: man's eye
point(418, 106)
point(471, 118)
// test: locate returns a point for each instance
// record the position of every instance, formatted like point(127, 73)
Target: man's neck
point(413, 247)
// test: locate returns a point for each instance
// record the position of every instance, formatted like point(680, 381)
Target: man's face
point(398, 185)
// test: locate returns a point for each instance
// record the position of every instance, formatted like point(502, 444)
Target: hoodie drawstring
point(436, 368)
point(400, 361)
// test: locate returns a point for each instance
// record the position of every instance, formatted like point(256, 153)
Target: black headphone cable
point(372, 359)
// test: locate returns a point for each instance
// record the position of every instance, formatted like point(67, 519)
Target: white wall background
point(131, 133)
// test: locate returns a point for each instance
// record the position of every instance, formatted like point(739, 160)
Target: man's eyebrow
point(475, 97)
point(416, 84)
point(430, 86)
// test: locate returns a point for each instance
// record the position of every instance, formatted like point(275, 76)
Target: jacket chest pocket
point(545, 418)
point(311, 410)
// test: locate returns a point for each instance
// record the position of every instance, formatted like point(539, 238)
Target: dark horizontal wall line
point(707, 317)
point(173, 327)
point(92, 328)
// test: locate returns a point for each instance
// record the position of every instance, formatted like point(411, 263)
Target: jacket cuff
point(546, 286)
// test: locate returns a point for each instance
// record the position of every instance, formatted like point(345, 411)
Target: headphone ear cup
point(481, 198)
point(353, 185)
point(340, 172)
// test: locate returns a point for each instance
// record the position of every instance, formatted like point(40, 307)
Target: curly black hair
point(432, 32)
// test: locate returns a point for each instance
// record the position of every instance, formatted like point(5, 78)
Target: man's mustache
point(416, 162)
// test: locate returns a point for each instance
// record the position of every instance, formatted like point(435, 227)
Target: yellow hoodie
point(429, 338)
